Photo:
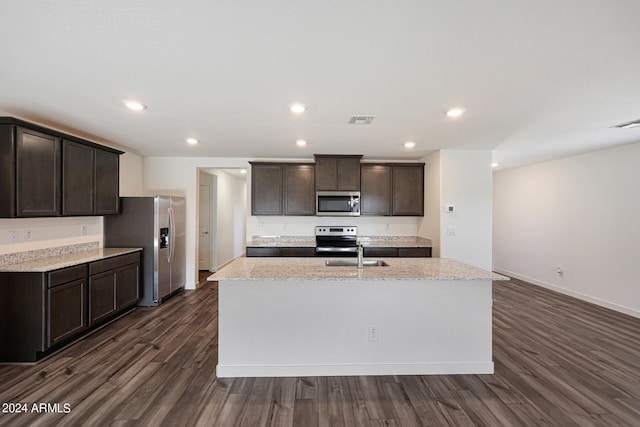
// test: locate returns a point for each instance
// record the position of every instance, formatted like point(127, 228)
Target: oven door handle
point(336, 249)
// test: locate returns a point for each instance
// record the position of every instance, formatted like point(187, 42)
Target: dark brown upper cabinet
point(266, 188)
point(408, 189)
point(78, 166)
point(282, 189)
point(375, 189)
point(337, 173)
point(90, 178)
point(37, 173)
point(45, 173)
point(392, 189)
point(299, 189)
point(106, 182)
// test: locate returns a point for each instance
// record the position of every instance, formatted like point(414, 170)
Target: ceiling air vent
point(628, 124)
point(360, 120)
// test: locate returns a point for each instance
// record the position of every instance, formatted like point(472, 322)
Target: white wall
point(429, 226)
point(581, 214)
point(131, 176)
point(230, 217)
point(462, 178)
point(49, 232)
point(466, 183)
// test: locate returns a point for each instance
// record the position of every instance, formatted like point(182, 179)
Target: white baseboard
point(233, 371)
point(597, 301)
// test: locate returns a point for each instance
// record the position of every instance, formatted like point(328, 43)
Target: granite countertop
point(66, 260)
point(369, 241)
point(283, 241)
point(311, 269)
point(395, 241)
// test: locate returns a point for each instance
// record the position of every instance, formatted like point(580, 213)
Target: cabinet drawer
point(414, 252)
point(97, 267)
point(66, 275)
point(263, 251)
point(381, 252)
point(299, 252)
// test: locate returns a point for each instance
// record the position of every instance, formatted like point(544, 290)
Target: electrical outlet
point(27, 235)
point(83, 230)
point(373, 334)
point(451, 230)
point(13, 236)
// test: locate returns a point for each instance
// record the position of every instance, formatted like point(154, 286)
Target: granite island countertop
point(314, 269)
point(65, 260)
point(367, 241)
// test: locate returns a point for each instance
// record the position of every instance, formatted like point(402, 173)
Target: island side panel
point(318, 328)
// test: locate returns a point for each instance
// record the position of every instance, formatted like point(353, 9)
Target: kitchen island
point(299, 317)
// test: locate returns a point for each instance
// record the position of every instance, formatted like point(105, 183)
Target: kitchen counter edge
point(44, 265)
point(313, 269)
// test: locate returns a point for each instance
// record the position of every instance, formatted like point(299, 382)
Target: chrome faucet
point(360, 255)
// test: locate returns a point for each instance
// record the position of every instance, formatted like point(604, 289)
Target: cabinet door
point(349, 174)
point(77, 178)
point(66, 311)
point(408, 190)
point(263, 251)
point(414, 252)
point(106, 183)
point(38, 174)
point(127, 286)
point(336, 173)
point(102, 296)
point(298, 252)
point(299, 190)
point(375, 190)
point(326, 173)
point(380, 252)
point(266, 189)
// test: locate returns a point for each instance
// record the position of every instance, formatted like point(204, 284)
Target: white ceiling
point(538, 79)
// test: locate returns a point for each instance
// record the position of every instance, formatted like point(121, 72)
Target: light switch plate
point(451, 230)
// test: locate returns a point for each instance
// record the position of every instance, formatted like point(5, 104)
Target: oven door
point(337, 251)
point(338, 203)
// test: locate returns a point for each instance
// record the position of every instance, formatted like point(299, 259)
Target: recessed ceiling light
point(135, 105)
point(495, 165)
point(409, 144)
point(301, 143)
point(455, 112)
point(298, 108)
point(192, 141)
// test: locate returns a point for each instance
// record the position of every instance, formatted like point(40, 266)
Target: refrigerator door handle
point(172, 237)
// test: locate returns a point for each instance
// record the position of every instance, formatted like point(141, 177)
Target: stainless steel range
point(337, 241)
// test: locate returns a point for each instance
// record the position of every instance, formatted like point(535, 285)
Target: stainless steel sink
point(354, 263)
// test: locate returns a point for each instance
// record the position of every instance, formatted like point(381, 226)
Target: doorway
point(221, 206)
point(206, 229)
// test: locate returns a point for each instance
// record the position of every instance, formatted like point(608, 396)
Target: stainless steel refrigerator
point(156, 224)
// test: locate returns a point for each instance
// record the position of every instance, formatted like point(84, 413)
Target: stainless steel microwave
point(338, 203)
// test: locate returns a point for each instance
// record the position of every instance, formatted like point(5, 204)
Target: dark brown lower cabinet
point(400, 252)
point(114, 286)
point(277, 251)
point(42, 311)
point(102, 296)
point(369, 251)
point(67, 314)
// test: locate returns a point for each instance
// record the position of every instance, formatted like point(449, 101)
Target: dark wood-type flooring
point(558, 361)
